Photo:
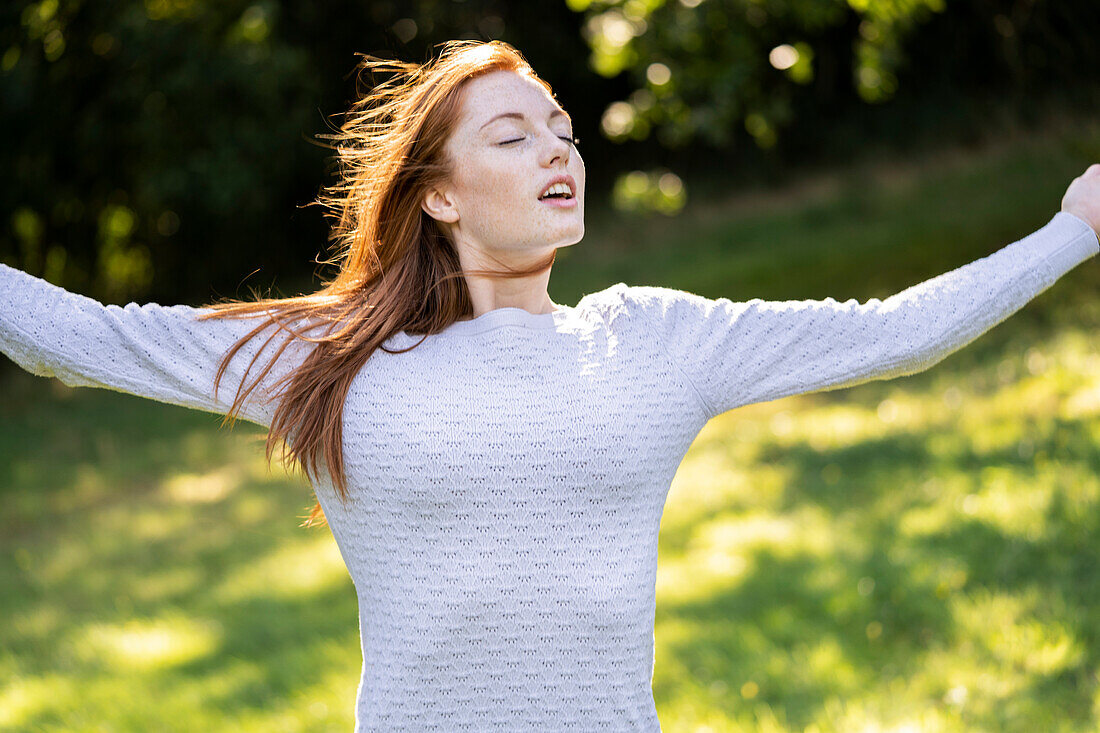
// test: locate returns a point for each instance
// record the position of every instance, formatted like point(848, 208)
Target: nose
point(556, 150)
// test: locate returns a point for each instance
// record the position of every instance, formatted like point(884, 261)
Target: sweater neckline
point(506, 316)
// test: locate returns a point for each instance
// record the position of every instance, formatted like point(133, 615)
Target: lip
point(560, 203)
point(567, 180)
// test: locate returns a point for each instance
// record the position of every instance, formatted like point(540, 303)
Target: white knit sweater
point(508, 475)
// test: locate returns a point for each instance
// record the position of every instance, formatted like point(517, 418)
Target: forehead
point(504, 91)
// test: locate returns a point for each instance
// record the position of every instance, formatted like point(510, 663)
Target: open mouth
point(557, 191)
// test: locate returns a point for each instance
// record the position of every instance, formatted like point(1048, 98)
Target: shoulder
point(659, 304)
point(639, 297)
point(649, 308)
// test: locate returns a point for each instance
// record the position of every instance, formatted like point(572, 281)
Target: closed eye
point(574, 140)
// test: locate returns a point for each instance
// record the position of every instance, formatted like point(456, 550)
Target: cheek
point(492, 190)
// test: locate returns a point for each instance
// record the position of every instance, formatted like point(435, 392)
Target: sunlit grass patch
point(137, 644)
point(1019, 635)
point(22, 698)
point(208, 487)
point(951, 585)
point(946, 587)
point(300, 567)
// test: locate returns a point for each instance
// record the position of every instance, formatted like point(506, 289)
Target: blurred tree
point(702, 66)
point(143, 128)
point(167, 147)
point(708, 69)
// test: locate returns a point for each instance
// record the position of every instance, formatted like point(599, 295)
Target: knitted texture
point(508, 475)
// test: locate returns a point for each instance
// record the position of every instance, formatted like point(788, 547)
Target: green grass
point(913, 555)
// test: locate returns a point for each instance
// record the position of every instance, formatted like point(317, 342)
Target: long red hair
point(398, 269)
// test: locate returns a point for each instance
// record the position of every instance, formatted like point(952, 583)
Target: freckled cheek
point(496, 205)
point(498, 193)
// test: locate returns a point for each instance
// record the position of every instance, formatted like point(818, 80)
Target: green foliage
point(199, 118)
point(198, 121)
point(760, 70)
point(659, 191)
point(167, 110)
point(724, 62)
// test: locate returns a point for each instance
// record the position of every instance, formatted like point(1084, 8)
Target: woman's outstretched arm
point(739, 353)
point(154, 351)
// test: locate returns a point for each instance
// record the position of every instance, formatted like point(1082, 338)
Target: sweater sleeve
point(154, 351)
point(739, 353)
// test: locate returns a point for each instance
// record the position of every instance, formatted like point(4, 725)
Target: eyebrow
point(519, 116)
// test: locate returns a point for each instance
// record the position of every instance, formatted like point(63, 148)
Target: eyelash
point(574, 140)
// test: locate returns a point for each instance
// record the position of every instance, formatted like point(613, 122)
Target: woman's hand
point(1083, 197)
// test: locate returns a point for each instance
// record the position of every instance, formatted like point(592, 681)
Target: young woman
point(493, 465)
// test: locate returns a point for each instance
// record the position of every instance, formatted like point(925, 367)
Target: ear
point(439, 205)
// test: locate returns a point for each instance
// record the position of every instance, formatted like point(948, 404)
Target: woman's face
point(512, 141)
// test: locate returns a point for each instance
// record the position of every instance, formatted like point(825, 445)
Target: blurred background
point(147, 137)
point(911, 555)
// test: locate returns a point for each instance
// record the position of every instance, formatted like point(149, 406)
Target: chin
point(572, 235)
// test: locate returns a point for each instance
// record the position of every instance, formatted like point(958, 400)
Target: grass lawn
point(918, 554)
